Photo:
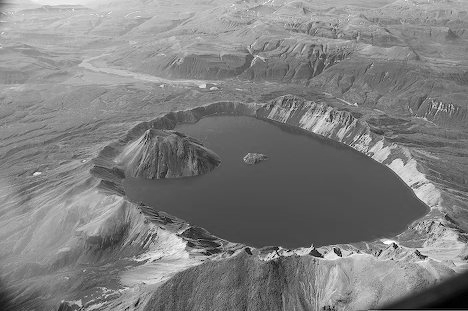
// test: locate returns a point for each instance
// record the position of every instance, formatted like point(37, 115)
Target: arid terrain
point(81, 85)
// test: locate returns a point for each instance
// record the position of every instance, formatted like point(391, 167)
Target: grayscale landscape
point(231, 154)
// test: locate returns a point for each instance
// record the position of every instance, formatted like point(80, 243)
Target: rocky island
point(254, 158)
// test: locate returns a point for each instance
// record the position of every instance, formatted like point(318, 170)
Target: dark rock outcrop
point(314, 252)
point(337, 251)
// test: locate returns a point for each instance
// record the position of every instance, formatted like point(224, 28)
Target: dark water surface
point(311, 190)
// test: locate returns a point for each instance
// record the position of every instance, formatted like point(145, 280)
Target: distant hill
point(16, 5)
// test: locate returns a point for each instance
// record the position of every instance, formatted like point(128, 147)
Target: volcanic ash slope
point(166, 154)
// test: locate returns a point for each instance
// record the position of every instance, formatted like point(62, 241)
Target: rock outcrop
point(254, 158)
point(166, 154)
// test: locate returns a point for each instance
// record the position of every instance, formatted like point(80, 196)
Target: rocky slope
point(166, 154)
point(246, 282)
point(413, 66)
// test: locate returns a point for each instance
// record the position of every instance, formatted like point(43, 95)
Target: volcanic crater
point(242, 204)
point(294, 200)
